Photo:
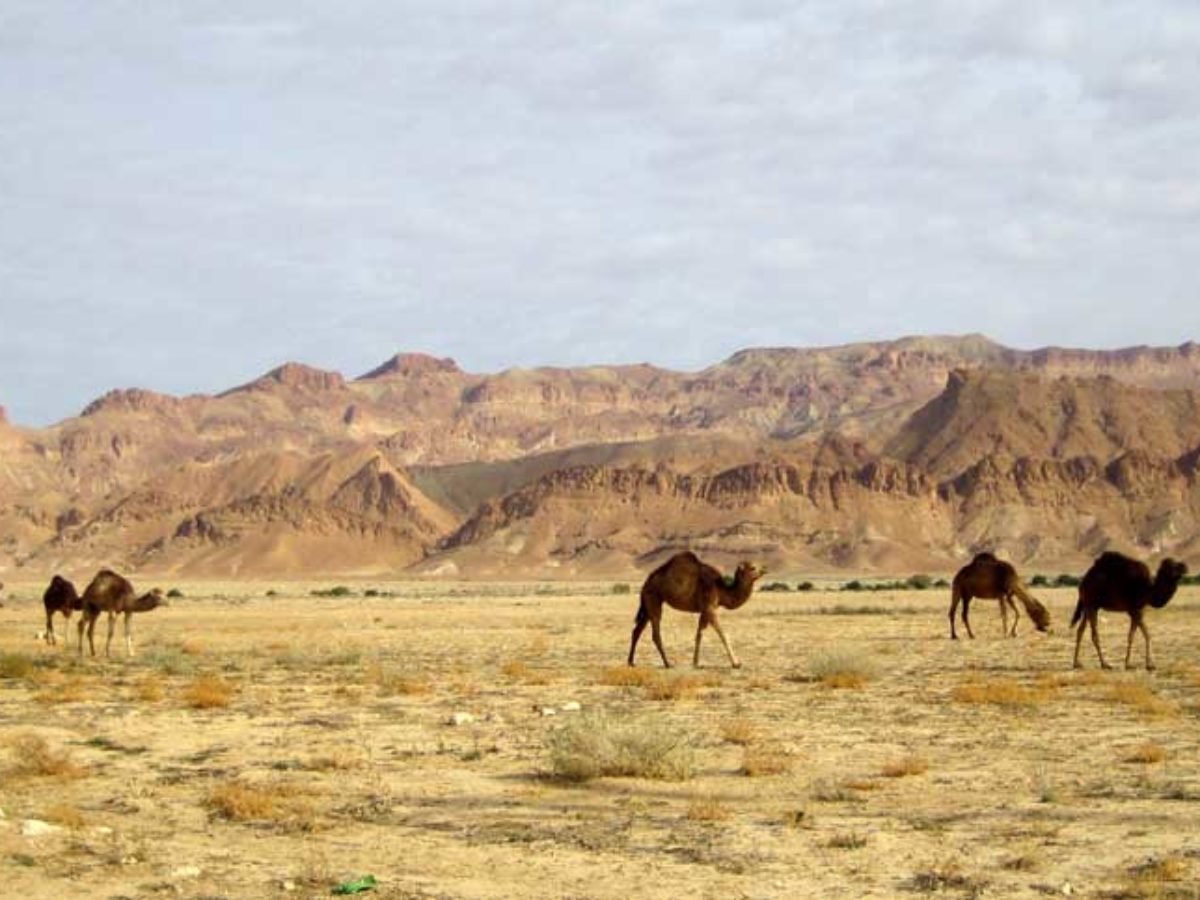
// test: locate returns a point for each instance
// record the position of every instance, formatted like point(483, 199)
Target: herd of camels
point(1114, 582)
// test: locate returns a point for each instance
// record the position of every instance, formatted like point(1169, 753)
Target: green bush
point(919, 583)
point(621, 588)
point(776, 586)
point(854, 585)
point(1066, 581)
point(805, 586)
point(1039, 581)
point(174, 593)
point(339, 591)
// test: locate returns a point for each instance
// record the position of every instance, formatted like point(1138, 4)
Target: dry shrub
point(851, 840)
point(336, 761)
point(825, 791)
point(843, 667)
point(208, 692)
point(1139, 697)
point(708, 809)
point(66, 815)
point(1002, 692)
point(902, 768)
point(1146, 753)
point(519, 670)
point(148, 689)
point(190, 647)
point(274, 802)
point(392, 683)
point(17, 666)
point(34, 758)
point(946, 876)
point(1159, 878)
point(861, 784)
point(740, 731)
point(1026, 862)
point(593, 746)
point(70, 690)
point(627, 676)
point(758, 762)
point(677, 687)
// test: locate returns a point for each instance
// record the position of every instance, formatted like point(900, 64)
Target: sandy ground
point(976, 768)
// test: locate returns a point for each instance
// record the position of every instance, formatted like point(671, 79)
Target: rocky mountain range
point(890, 457)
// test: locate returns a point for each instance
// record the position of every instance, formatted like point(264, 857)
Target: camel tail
point(1037, 612)
point(643, 616)
point(1078, 610)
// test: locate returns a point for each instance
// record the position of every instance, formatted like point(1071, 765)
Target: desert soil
point(267, 746)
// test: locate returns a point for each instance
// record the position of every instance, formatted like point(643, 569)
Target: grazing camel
point(60, 597)
point(1120, 584)
point(991, 578)
point(111, 593)
point(685, 583)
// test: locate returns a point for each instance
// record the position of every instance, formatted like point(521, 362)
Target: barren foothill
point(265, 746)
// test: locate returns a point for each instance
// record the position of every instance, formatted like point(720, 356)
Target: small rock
point(1067, 889)
point(548, 711)
point(38, 828)
point(571, 706)
point(185, 872)
point(460, 718)
point(129, 860)
point(102, 830)
point(288, 885)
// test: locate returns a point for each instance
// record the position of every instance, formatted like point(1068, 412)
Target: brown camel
point(988, 577)
point(111, 593)
point(685, 583)
point(1120, 584)
point(60, 597)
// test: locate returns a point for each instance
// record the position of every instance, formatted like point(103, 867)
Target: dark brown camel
point(111, 593)
point(1120, 584)
point(686, 584)
point(991, 578)
point(60, 597)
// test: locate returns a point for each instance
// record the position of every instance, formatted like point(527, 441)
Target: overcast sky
point(194, 192)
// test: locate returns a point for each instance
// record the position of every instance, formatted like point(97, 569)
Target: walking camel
point(991, 578)
point(685, 583)
point(60, 597)
point(111, 593)
point(1120, 584)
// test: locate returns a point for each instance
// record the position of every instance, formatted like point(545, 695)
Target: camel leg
point(112, 626)
point(91, 630)
point(1012, 605)
point(1093, 617)
point(1146, 634)
point(967, 617)
point(1004, 615)
point(1083, 622)
point(638, 628)
point(699, 634)
point(129, 634)
point(1133, 626)
point(656, 633)
point(716, 624)
point(50, 639)
point(954, 598)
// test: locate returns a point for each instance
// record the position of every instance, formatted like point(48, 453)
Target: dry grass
point(65, 815)
point(1141, 698)
point(902, 768)
point(851, 840)
point(1159, 878)
point(34, 758)
point(677, 687)
point(68, 690)
point(519, 670)
point(599, 745)
point(627, 676)
point(1002, 692)
point(759, 762)
point(274, 802)
point(391, 683)
point(708, 809)
point(149, 688)
point(843, 668)
point(1145, 754)
point(740, 731)
point(17, 666)
point(208, 692)
point(862, 785)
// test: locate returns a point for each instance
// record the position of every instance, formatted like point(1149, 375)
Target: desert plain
point(269, 742)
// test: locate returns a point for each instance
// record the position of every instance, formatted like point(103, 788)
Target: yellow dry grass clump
point(597, 745)
point(1146, 754)
point(708, 809)
point(32, 757)
point(759, 762)
point(240, 801)
point(208, 692)
point(902, 768)
point(843, 668)
point(1002, 692)
point(740, 731)
point(1141, 698)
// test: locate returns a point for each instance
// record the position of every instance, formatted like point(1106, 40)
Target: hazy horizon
point(196, 194)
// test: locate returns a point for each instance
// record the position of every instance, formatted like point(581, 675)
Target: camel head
point(1170, 573)
point(150, 601)
point(748, 573)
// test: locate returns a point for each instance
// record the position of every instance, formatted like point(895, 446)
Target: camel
point(111, 593)
point(685, 583)
point(1120, 584)
point(60, 597)
point(992, 578)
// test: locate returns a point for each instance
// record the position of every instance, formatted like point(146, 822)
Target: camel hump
point(985, 556)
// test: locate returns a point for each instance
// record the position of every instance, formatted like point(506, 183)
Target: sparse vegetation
point(738, 730)
point(32, 757)
point(1141, 698)
point(1146, 754)
point(17, 666)
point(761, 761)
point(337, 591)
point(1003, 692)
point(707, 809)
point(621, 588)
point(208, 692)
point(598, 745)
point(174, 593)
point(843, 667)
point(902, 768)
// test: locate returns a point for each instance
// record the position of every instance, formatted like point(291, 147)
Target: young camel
point(1120, 584)
point(60, 597)
point(988, 577)
point(111, 593)
point(685, 583)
